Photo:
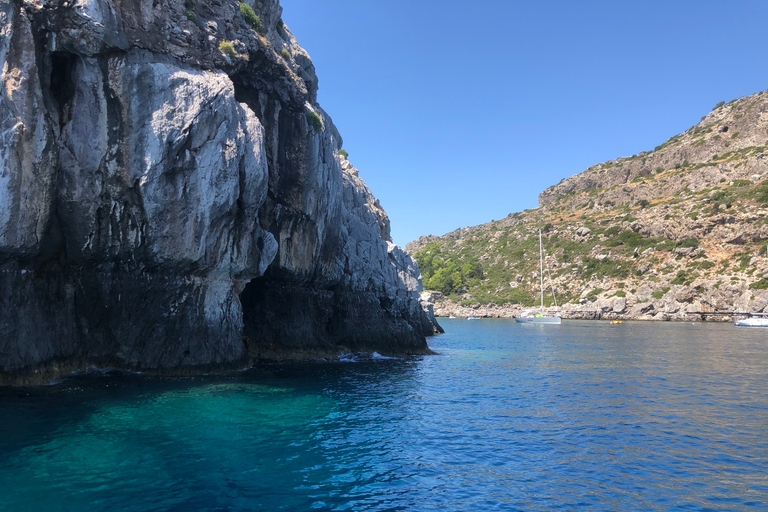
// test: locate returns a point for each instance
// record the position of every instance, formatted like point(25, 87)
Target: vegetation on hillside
point(679, 215)
point(313, 119)
point(228, 48)
point(251, 18)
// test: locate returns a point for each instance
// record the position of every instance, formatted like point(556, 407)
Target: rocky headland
point(172, 197)
point(665, 234)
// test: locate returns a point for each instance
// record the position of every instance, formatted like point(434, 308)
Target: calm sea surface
point(583, 416)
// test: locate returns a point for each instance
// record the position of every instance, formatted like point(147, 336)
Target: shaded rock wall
point(147, 179)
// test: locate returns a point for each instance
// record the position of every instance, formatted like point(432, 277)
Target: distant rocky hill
point(657, 235)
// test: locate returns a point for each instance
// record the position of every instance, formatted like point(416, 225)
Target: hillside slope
point(657, 235)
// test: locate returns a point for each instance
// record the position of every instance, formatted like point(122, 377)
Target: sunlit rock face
point(169, 205)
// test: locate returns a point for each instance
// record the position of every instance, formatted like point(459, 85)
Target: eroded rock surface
point(676, 233)
point(154, 184)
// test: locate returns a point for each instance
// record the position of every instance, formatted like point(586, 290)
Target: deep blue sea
point(582, 416)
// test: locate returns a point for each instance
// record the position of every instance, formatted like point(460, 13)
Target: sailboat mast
point(541, 272)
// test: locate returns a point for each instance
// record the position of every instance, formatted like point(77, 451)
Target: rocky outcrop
point(728, 144)
point(683, 303)
point(666, 234)
point(349, 307)
point(168, 184)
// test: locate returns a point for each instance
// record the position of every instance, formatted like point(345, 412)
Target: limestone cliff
point(162, 160)
point(661, 235)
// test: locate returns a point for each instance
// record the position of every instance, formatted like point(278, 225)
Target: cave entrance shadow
point(62, 85)
point(284, 320)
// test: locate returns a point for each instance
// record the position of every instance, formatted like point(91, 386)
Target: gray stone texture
point(148, 181)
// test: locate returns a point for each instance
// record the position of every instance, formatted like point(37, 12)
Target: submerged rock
point(160, 198)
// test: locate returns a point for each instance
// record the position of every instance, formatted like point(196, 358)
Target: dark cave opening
point(248, 94)
point(62, 86)
point(285, 315)
point(251, 299)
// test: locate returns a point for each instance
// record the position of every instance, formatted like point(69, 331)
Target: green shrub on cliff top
point(680, 278)
point(441, 274)
point(520, 296)
point(425, 258)
point(689, 242)
point(604, 268)
point(228, 48)
point(472, 269)
point(445, 280)
point(314, 121)
point(251, 18)
point(592, 295)
point(344, 153)
point(760, 193)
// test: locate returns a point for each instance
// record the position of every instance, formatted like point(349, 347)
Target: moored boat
point(540, 318)
point(752, 320)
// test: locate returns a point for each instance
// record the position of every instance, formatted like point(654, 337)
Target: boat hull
point(549, 320)
point(752, 322)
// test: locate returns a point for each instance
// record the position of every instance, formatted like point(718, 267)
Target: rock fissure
point(62, 87)
point(171, 210)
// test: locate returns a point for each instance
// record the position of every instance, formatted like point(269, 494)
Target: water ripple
point(578, 417)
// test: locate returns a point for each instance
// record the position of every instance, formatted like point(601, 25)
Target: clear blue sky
point(457, 113)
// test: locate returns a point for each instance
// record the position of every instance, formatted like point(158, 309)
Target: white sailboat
point(539, 318)
point(752, 320)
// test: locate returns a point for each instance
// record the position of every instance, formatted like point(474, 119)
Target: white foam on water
point(376, 355)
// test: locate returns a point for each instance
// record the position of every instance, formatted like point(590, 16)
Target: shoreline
point(54, 372)
point(653, 311)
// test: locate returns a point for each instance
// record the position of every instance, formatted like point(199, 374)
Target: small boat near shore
point(752, 320)
point(540, 318)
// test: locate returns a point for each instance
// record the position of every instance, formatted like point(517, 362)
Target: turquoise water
point(582, 416)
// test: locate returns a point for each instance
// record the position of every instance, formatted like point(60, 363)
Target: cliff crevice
point(157, 161)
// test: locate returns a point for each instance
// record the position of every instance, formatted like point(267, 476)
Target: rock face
point(163, 193)
point(661, 235)
point(728, 143)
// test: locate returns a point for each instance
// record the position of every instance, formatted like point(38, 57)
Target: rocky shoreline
point(616, 308)
point(660, 235)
